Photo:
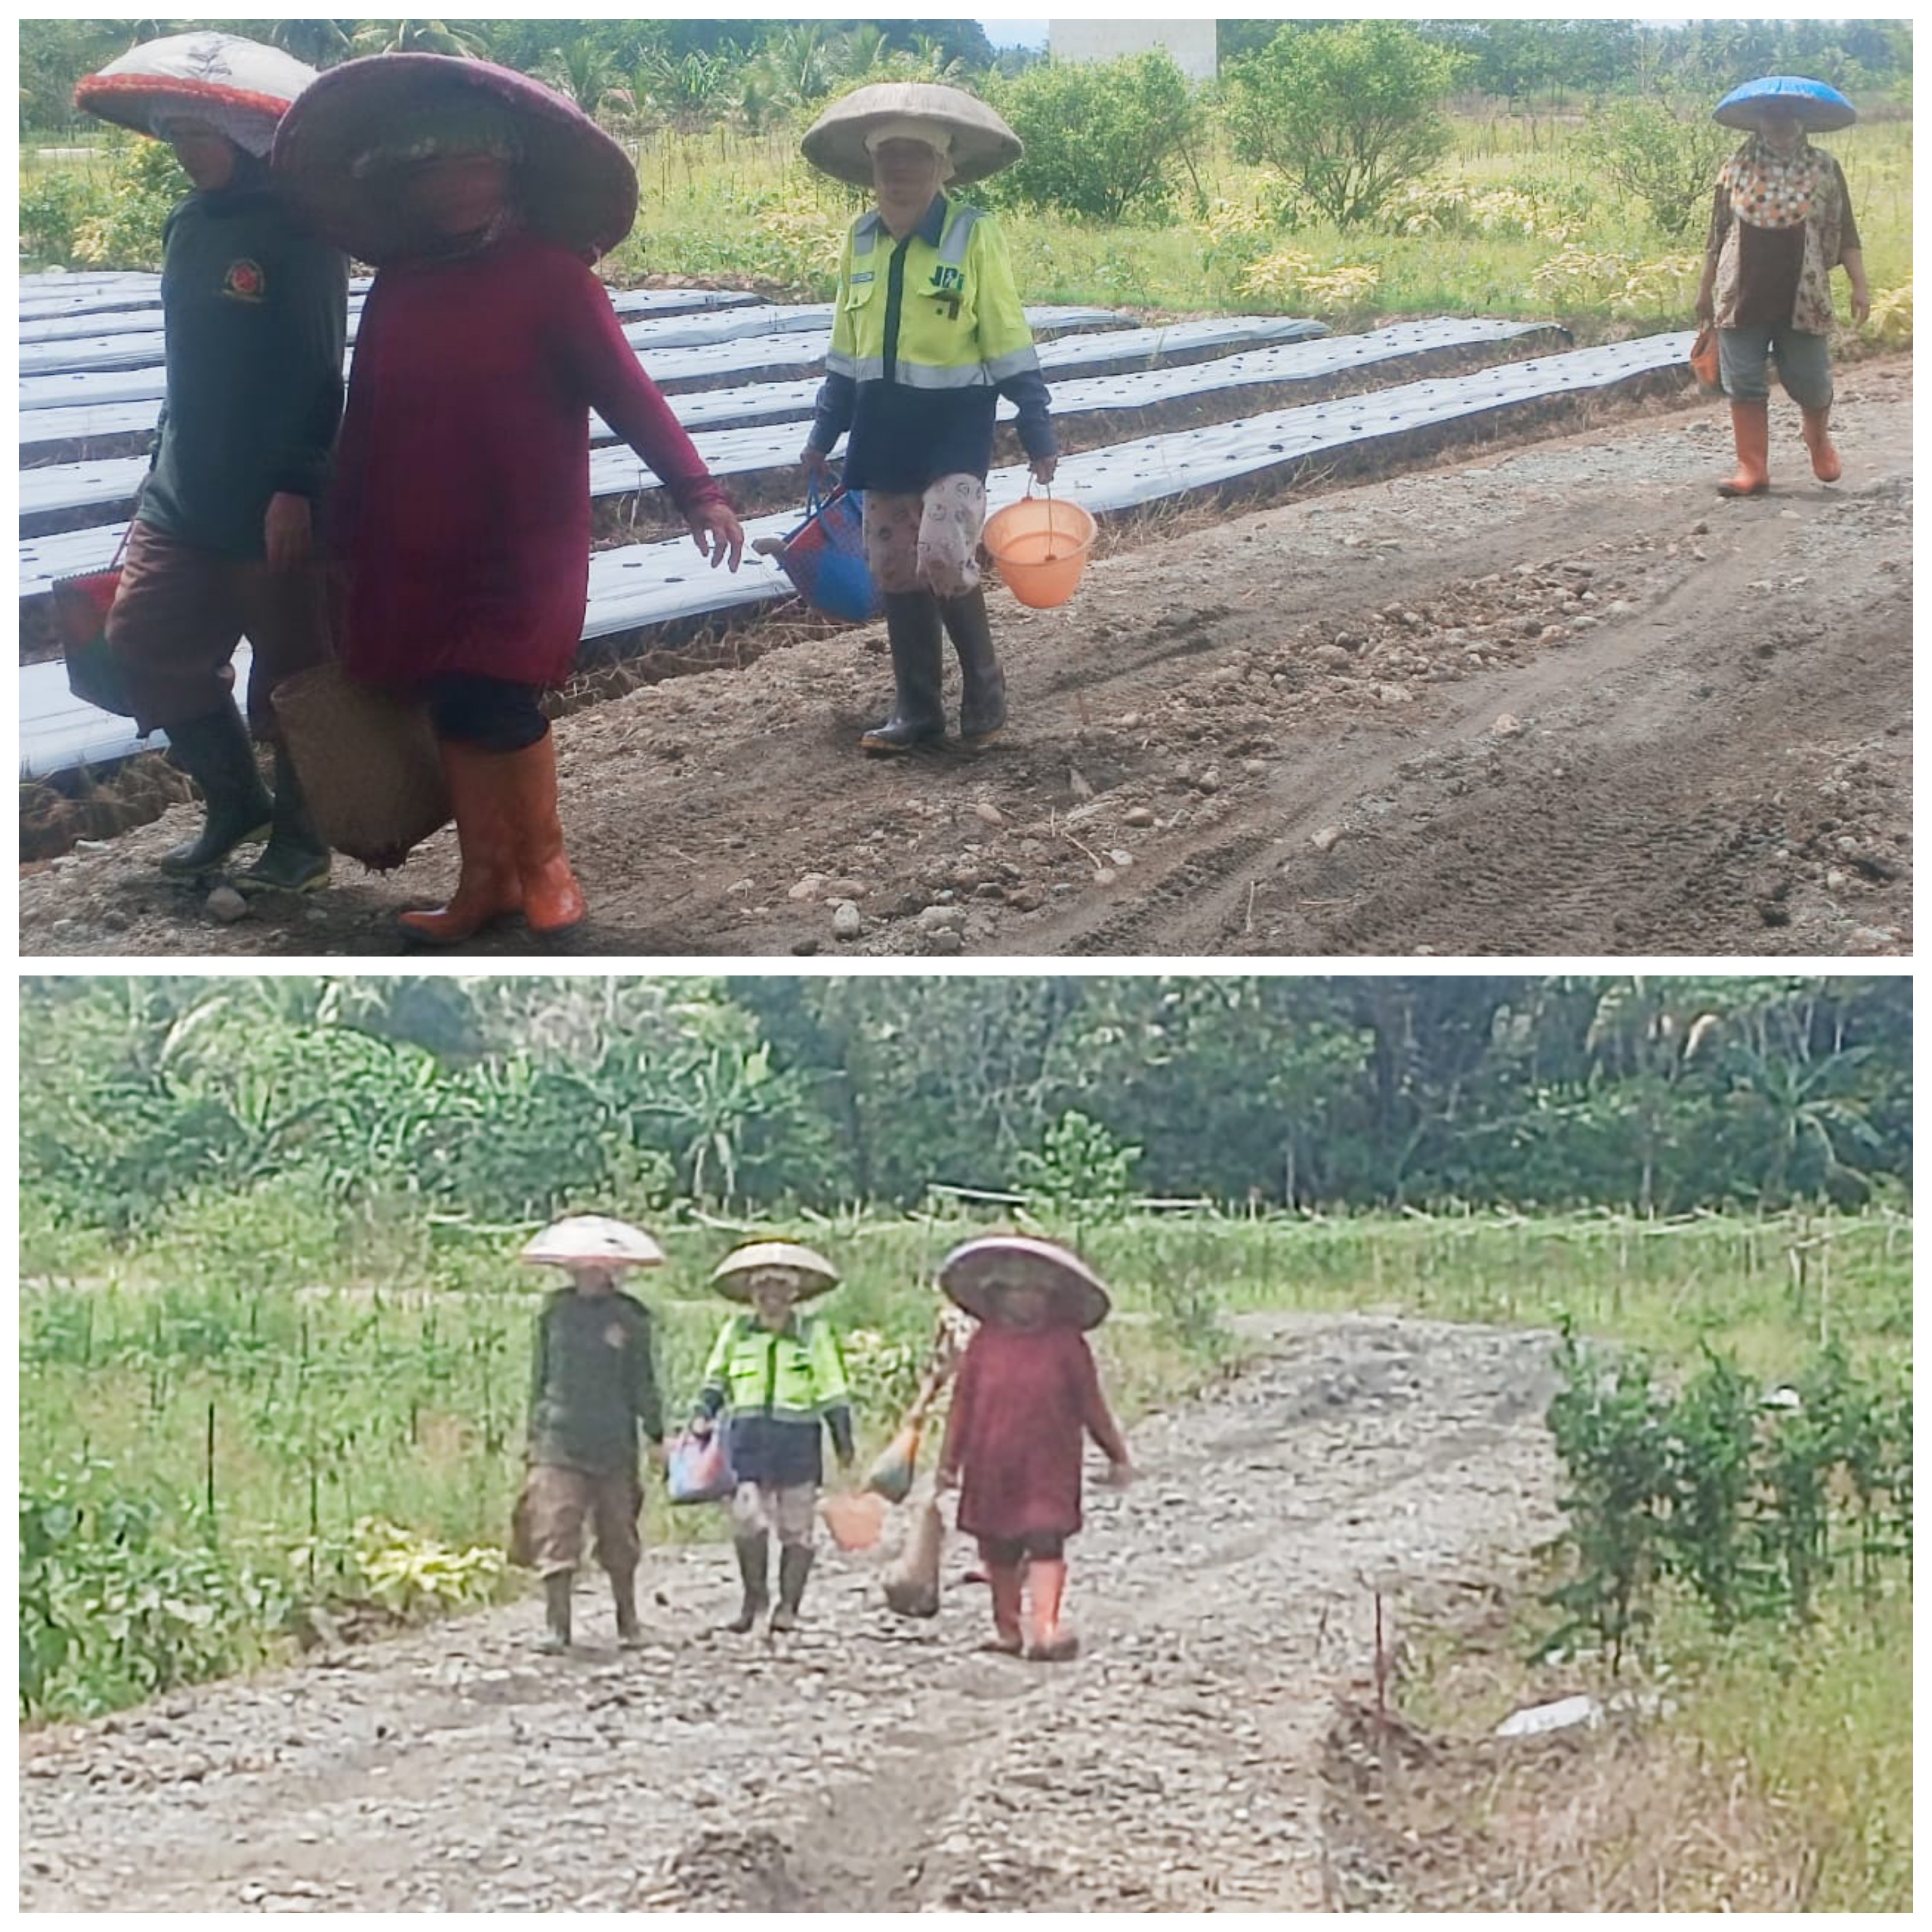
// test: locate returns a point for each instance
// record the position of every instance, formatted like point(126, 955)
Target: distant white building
point(1190, 42)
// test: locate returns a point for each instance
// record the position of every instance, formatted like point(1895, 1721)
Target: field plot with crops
point(1484, 1344)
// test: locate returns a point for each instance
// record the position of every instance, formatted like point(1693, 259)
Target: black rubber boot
point(556, 1639)
point(754, 1567)
point(919, 709)
point(983, 704)
point(215, 751)
point(624, 1599)
point(294, 859)
point(794, 1566)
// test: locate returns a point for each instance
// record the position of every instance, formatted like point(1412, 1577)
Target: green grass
point(372, 1362)
point(725, 204)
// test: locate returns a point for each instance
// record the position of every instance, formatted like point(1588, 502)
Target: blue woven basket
point(825, 556)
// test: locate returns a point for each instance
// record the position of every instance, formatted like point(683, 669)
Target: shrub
point(146, 185)
point(1663, 153)
point(1081, 1169)
point(54, 204)
point(1346, 115)
point(1103, 139)
point(1890, 322)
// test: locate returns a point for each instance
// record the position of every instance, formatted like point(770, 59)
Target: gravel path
point(864, 1764)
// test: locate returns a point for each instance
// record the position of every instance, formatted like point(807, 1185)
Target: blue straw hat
point(1823, 109)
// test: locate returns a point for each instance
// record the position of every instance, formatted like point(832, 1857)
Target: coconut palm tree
point(417, 37)
point(586, 71)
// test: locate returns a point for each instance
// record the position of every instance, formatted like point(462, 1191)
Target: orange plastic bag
point(892, 1473)
point(1704, 361)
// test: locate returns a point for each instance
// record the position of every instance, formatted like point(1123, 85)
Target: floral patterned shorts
point(929, 541)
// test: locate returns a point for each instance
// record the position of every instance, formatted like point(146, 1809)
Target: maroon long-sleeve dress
point(1023, 1401)
point(462, 506)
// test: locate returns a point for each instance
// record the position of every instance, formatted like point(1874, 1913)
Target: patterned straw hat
point(239, 88)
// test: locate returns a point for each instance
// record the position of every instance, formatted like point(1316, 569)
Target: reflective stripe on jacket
point(928, 331)
point(796, 1374)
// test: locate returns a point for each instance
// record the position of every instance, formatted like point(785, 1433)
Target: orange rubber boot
point(1751, 430)
point(1052, 1643)
point(553, 900)
point(1005, 1579)
point(1824, 463)
point(486, 885)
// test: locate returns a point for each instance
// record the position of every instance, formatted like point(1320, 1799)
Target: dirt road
point(865, 1764)
point(1553, 698)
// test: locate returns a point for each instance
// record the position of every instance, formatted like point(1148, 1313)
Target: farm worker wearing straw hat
point(593, 1388)
point(929, 332)
point(1781, 221)
point(1027, 1395)
point(462, 507)
point(253, 304)
point(779, 1373)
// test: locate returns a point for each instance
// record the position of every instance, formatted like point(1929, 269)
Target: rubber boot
point(1750, 431)
point(1824, 463)
point(983, 702)
point(794, 1566)
point(553, 900)
point(624, 1600)
point(754, 1554)
point(1005, 1579)
point(1052, 1643)
point(487, 885)
point(918, 710)
point(296, 858)
point(556, 1639)
point(215, 751)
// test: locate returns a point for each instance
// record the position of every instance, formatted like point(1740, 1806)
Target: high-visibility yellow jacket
point(929, 332)
point(779, 1387)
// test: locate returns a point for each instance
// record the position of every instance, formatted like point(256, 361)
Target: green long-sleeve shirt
point(593, 1383)
point(254, 310)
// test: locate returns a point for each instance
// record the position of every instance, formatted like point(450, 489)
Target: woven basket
point(367, 762)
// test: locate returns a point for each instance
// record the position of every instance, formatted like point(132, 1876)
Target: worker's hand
point(288, 531)
point(948, 1479)
point(1120, 1475)
point(1044, 469)
point(818, 463)
point(659, 1456)
point(1860, 303)
point(1707, 302)
point(716, 530)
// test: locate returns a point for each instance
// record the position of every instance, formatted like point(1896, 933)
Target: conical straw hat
point(967, 1275)
point(813, 1274)
point(593, 1239)
point(242, 88)
point(983, 143)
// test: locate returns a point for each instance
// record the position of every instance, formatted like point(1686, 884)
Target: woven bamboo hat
point(812, 1275)
point(238, 87)
point(979, 143)
point(573, 184)
point(970, 1273)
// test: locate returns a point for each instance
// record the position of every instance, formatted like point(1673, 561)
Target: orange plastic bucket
point(1040, 545)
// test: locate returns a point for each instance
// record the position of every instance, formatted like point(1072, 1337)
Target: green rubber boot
point(216, 752)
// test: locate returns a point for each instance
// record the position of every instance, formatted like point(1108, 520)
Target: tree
point(586, 71)
point(1664, 152)
point(1103, 139)
point(417, 37)
point(1346, 115)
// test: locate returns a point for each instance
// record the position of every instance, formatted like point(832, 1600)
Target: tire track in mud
point(1739, 689)
point(867, 1764)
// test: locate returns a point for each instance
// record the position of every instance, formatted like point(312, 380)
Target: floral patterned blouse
point(1778, 230)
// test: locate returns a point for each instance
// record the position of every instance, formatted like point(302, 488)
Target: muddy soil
point(1547, 698)
point(1226, 1601)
